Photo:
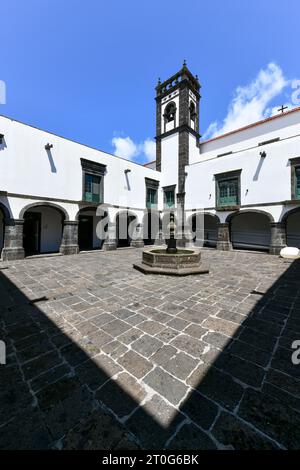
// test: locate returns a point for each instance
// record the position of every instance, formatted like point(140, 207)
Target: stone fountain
point(171, 260)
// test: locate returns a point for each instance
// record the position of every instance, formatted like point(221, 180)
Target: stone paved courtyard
point(101, 356)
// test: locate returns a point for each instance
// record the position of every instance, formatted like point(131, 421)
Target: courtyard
point(100, 356)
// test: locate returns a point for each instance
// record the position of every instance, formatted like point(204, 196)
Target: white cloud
point(251, 103)
point(149, 149)
point(124, 147)
point(142, 152)
point(211, 131)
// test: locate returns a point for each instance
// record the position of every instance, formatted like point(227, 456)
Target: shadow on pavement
point(57, 391)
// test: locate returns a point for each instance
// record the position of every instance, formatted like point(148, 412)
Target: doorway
point(85, 232)
point(124, 229)
point(32, 233)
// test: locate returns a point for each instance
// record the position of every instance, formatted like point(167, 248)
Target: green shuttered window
point(228, 194)
point(92, 181)
point(151, 201)
point(92, 188)
point(169, 198)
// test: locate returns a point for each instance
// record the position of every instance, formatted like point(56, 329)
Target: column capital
point(277, 224)
point(11, 222)
point(70, 222)
point(223, 224)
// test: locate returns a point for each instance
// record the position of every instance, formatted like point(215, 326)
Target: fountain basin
point(182, 263)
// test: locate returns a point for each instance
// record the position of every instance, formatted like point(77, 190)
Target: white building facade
point(243, 187)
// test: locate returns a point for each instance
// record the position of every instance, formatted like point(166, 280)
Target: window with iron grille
point(151, 202)
point(92, 181)
point(228, 192)
point(228, 189)
point(151, 193)
point(169, 197)
point(92, 188)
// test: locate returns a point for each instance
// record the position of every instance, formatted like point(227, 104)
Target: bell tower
point(177, 127)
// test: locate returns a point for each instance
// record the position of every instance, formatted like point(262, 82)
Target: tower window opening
point(192, 111)
point(170, 112)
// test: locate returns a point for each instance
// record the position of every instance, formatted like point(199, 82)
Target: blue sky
point(87, 69)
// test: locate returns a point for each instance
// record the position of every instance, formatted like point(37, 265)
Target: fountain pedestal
point(172, 261)
point(181, 263)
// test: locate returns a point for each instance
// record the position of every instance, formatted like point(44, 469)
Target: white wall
point(263, 180)
point(283, 126)
point(27, 169)
point(193, 150)
point(169, 160)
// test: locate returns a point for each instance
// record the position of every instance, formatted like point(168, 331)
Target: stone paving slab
point(100, 356)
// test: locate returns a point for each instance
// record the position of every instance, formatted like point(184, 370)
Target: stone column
point(69, 243)
point(224, 242)
point(110, 242)
point(13, 240)
point(138, 241)
point(278, 237)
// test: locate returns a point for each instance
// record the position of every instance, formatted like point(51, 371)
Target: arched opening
point(151, 226)
point(43, 229)
point(170, 112)
point(205, 229)
point(125, 225)
point(88, 235)
point(169, 116)
point(192, 109)
point(292, 221)
point(250, 230)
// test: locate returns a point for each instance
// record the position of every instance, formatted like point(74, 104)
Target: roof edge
point(249, 126)
point(71, 140)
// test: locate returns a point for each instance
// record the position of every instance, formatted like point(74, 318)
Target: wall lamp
point(127, 171)
point(263, 154)
point(48, 146)
point(1, 138)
